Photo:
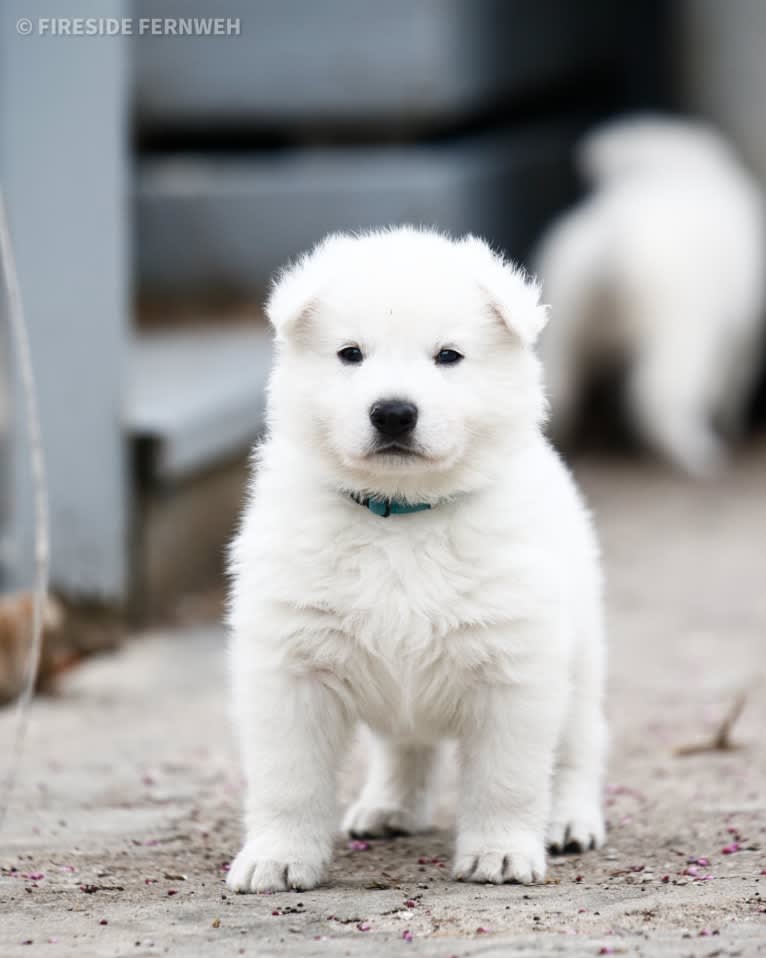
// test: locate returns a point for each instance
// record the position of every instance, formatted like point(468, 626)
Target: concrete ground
point(126, 813)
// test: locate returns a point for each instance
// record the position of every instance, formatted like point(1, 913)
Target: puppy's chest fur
point(402, 613)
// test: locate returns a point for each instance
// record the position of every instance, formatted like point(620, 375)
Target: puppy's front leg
point(506, 763)
point(292, 729)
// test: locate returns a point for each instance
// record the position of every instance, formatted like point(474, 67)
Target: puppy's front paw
point(261, 867)
point(575, 826)
point(502, 858)
point(363, 820)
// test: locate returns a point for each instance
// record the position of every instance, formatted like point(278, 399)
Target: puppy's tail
point(646, 144)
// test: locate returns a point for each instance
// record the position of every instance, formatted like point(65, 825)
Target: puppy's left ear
point(512, 295)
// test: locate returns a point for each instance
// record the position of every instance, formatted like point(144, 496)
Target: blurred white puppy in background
point(414, 557)
point(659, 269)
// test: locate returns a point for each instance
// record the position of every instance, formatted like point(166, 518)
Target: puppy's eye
point(447, 357)
point(350, 355)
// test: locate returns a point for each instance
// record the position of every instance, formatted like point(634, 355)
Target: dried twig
point(721, 740)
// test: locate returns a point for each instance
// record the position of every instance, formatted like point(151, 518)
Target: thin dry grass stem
point(721, 740)
point(22, 354)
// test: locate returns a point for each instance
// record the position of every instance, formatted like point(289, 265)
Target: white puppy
point(660, 269)
point(405, 383)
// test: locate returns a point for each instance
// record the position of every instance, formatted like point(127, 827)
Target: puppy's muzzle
point(394, 418)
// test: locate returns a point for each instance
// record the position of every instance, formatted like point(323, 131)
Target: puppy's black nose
point(394, 417)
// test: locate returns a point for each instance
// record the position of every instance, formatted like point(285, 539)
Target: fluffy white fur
point(477, 621)
point(661, 268)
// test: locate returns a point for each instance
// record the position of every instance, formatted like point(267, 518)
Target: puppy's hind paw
point(576, 830)
point(376, 821)
point(251, 872)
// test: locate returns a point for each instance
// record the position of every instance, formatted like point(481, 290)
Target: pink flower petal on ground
point(53, 941)
point(364, 926)
point(665, 879)
point(730, 849)
point(33, 876)
point(691, 871)
point(407, 935)
point(481, 930)
point(705, 933)
point(732, 830)
point(358, 846)
point(606, 950)
point(410, 903)
point(703, 861)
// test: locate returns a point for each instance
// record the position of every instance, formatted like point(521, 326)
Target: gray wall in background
point(225, 223)
point(721, 70)
point(352, 92)
point(374, 65)
point(63, 167)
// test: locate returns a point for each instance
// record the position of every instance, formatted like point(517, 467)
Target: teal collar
point(384, 508)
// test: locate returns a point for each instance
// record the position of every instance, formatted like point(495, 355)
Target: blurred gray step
point(196, 395)
point(399, 64)
point(224, 223)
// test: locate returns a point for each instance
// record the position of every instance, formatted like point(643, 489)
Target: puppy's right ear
point(292, 301)
point(297, 289)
